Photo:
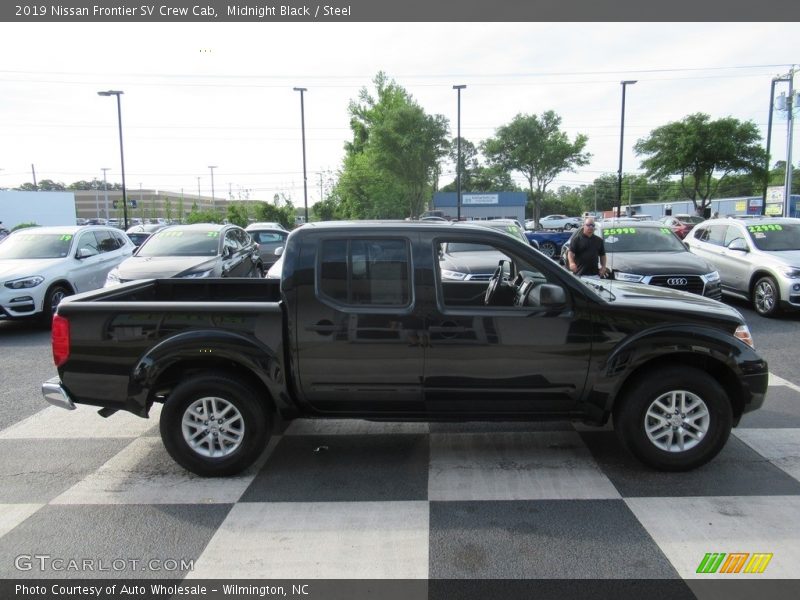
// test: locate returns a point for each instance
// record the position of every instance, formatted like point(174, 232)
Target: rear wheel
point(214, 426)
point(549, 249)
point(674, 419)
point(766, 297)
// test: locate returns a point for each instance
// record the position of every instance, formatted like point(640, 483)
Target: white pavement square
point(515, 466)
point(83, 422)
point(687, 528)
point(143, 473)
point(780, 446)
point(12, 515)
point(325, 540)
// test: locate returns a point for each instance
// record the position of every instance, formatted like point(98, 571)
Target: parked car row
point(39, 266)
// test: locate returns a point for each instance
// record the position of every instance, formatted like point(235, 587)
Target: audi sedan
point(192, 251)
point(649, 253)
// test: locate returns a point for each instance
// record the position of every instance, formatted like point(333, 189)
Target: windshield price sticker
point(212, 234)
point(666, 231)
point(171, 234)
point(619, 231)
point(769, 227)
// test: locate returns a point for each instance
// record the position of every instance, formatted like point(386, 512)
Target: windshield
point(775, 237)
point(691, 220)
point(36, 245)
point(172, 242)
point(641, 239)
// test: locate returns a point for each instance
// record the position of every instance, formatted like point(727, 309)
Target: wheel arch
point(717, 369)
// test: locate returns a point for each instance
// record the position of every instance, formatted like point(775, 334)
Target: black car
point(192, 251)
point(650, 253)
point(268, 239)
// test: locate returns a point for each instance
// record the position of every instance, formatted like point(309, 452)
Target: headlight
point(743, 333)
point(113, 277)
point(629, 277)
point(197, 274)
point(453, 275)
point(710, 277)
point(790, 272)
point(24, 282)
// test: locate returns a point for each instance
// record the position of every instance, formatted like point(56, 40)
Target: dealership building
point(483, 205)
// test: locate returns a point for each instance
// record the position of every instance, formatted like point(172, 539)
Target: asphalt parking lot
point(392, 501)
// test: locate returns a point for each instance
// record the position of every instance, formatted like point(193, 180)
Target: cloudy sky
point(221, 93)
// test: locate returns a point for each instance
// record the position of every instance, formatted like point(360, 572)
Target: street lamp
point(621, 138)
point(105, 188)
point(458, 89)
point(211, 168)
point(789, 77)
point(303, 130)
point(118, 93)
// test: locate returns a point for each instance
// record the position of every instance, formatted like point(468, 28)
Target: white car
point(39, 266)
point(559, 222)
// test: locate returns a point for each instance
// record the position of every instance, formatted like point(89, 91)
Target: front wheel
point(52, 299)
point(766, 297)
point(674, 419)
point(214, 426)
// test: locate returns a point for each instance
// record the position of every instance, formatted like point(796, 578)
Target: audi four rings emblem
point(676, 281)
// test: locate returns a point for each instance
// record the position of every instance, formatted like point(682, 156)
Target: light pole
point(787, 195)
point(211, 168)
point(105, 188)
point(303, 130)
point(198, 189)
point(118, 93)
point(621, 139)
point(458, 89)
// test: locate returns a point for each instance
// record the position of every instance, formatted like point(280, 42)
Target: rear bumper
point(56, 395)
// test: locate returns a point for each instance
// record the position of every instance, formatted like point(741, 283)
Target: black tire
point(647, 404)
point(766, 297)
point(549, 249)
point(54, 295)
point(242, 416)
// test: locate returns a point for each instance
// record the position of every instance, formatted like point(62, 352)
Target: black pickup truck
point(363, 324)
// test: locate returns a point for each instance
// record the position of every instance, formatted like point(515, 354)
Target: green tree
point(264, 211)
point(538, 149)
point(701, 153)
point(391, 163)
point(203, 216)
point(237, 214)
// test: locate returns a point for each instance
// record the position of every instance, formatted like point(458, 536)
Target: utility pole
point(33, 172)
point(787, 195)
point(105, 188)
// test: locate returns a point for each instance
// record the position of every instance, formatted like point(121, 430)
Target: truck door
point(512, 357)
point(357, 328)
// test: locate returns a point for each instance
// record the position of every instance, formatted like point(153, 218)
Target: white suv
point(39, 266)
point(757, 259)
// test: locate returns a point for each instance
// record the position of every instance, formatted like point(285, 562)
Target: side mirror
point(85, 253)
point(550, 294)
point(738, 244)
point(278, 251)
point(227, 252)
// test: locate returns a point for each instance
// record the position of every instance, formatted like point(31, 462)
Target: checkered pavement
point(361, 500)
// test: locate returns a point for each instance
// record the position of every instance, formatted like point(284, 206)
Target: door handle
point(324, 328)
point(448, 328)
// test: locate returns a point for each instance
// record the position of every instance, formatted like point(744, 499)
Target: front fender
point(712, 350)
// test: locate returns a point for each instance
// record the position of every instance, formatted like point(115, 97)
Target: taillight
point(60, 337)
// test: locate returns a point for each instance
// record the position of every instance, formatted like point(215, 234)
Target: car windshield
point(641, 239)
point(776, 236)
point(36, 245)
point(691, 220)
point(180, 242)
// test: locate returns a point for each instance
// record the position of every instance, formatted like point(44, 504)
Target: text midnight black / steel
point(263, 11)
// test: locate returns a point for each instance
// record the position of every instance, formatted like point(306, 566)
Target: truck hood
point(658, 263)
point(636, 295)
point(155, 267)
point(13, 268)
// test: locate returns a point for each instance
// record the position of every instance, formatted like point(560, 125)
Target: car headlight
point(453, 275)
point(197, 274)
point(710, 277)
point(790, 272)
point(112, 278)
point(629, 277)
point(24, 282)
point(743, 333)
